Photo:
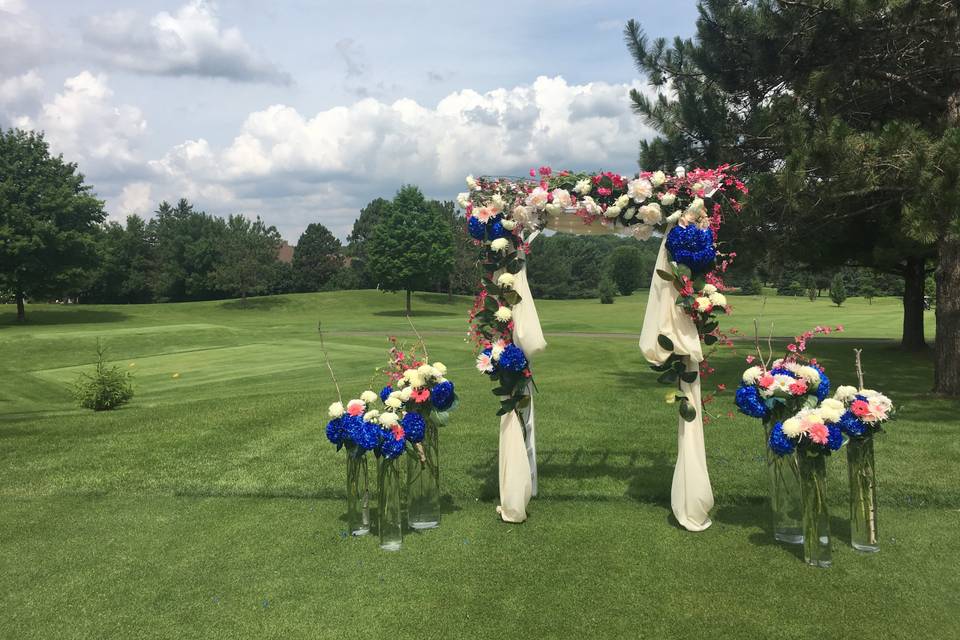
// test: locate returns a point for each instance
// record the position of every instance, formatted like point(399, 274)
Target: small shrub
point(607, 291)
point(838, 290)
point(107, 388)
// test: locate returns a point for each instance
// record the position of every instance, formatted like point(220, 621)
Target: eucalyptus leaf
point(665, 342)
point(687, 411)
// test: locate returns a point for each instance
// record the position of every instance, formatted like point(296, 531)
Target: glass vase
point(816, 517)
point(389, 512)
point(783, 477)
point(863, 494)
point(423, 481)
point(358, 495)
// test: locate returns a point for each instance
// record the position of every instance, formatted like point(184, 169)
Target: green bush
point(107, 388)
point(607, 291)
point(838, 290)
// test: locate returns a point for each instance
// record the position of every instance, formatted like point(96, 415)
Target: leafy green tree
point(188, 246)
point(247, 257)
point(868, 290)
point(361, 234)
point(48, 220)
point(317, 257)
point(124, 263)
point(810, 284)
point(625, 267)
point(412, 245)
point(753, 287)
point(838, 290)
point(607, 290)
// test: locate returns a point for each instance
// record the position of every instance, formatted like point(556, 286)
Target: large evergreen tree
point(188, 247)
point(361, 234)
point(48, 220)
point(317, 257)
point(247, 257)
point(842, 113)
point(412, 245)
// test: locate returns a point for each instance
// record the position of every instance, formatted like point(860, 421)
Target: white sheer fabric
point(518, 456)
point(691, 496)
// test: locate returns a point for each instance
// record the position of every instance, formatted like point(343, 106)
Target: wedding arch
point(686, 209)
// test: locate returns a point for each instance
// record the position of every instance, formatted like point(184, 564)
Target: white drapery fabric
point(691, 495)
point(518, 456)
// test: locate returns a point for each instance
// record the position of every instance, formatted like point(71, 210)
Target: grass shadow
point(255, 304)
point(751, 514)
point(416, 313)
point(70, 314)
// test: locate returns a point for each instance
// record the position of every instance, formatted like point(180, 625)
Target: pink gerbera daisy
point(818, 432)
point(420, 395)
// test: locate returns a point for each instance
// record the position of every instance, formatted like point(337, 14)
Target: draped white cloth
point(518, 457)
point(691, 496)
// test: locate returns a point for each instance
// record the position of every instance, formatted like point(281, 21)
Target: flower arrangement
point(502, 212)
point(811, 432)
point(360, 428)
point(864, 410)
point(417, 390)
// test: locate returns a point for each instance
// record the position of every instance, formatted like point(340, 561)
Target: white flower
point(562, 197)
point(845, 393)
point(335, 410)
point(508, 224)
point(500, 244)
point(389, 419)
point(521, 214)
point(750, 375)
point(709, 289)
point(591, 206)
point(497, 203)
point(623, 201)
point(371, 416)
point(658, 178)
point(674, 217)
point(368, 396)
point(811, 375)
point(537, 198)
point(651, 213)
point(355, 407)
point(400, 384)
point(553, 209)
point(463, 200)
point(427, 371)
point(680, 172)
point(393, 400)
point(831, 410)
point(696, 186)
point(471, 183)
point(612, 211)
point(507, 280)
point(793, 427)
point(641, 231)
point(441, 368)
point(629, 213)
point(640, 189)
point(718, 299)
point(668, 199)
point(405, 394)
point(878, 399)
point(496, 351)
point(503, 314)
point(414, 377)
point(583, 187)
point(697, 207)
point(702, 303)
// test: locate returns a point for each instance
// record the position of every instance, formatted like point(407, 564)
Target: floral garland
point(503, 212)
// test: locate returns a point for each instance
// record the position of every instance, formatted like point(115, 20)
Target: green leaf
point(699, 283)
point(689, 376)
point(512, 297)
point(665, 342)
point(682, 270)
point(668, 377)
point(491, 304)
point(687, 411)
point(666, 275)
point(709, 339)
point(661, 367)
point(679, 366)
point(710, 326)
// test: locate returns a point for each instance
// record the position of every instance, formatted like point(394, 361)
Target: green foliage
point(411, 246)
point(108, 387)
point(317, 257)
point(626, 266)
point(607, 291)
point(838, 290)
point(753, 287)
point(248, 256)
point(566, 266)
point(48, 220)
point(361, 235)
point(188, 247)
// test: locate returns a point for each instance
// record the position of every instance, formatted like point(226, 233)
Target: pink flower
point(750, 359)
point(420, 395)
point(483, 214)
point(356, 408)
point(721, 387)
point(484, 363)
point(765, 380)
point(860, 408)
point(604, 191)
point(798, 388)
point(839, 327)
point(819, 433)
point(877, 412)
point(398, 432)
point(792, 348)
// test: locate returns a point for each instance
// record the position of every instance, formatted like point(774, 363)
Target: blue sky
point(304, 111)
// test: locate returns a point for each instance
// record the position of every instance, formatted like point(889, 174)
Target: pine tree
point(838, 290)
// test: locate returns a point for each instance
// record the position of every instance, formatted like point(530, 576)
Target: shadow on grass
point(752, 514)
point(69, 314)
point(255, 304)
point(416, 313)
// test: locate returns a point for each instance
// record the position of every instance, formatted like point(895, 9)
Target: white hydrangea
point(335, 410)
point(507, 280)
point(639, 189)
point(750, 375)
point(500, 244)
point(583, 187)
point(503, 314)
point(369, 396)
point(845, 393)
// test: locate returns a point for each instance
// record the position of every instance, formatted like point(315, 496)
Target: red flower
point(420, 395)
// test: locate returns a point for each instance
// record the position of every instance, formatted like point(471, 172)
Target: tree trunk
point(408, 302)
point(946, 372)
point(914, 277)
point(21, 313)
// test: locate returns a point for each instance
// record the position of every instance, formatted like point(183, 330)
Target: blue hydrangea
point(385, 393)
point(834, 437)
point(442, 395)
point(335, 431)
point(780, 444)
point(476, 229)
point(495, 229)
point(513, 358)
point(390, 447)
point(693, 247)
point(749, 402)
point(367, 435)
point(823, 391)
point(851, 424)
point(413, 427)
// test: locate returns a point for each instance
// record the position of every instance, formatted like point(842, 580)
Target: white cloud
point(84, 124)
point(20, 94)
point(24, 42)
point(135, 198)
point(190, 41)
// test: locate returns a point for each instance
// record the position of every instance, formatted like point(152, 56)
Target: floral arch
point(686, 209)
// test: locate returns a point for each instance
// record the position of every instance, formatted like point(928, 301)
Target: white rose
point(845, 393)
point(680, 172)
point(537, 198)
point(641, 231)
point(389, 419)
point(503, 314)
point(718, 299)
point(658, 178)
point(668, 199)
point(500, 244)
point(336, 410)
point(640, 189)
point(508, 224)
point(750, 375)
point(612, 211)
point(562, 197)
point(471, 183)
point(651, 213)
point(629, 213)
point(507, 280)
point(441, 368)
point(583, 187)
point(623, 201)
point(369, 396)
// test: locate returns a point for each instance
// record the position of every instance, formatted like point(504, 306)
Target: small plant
point(838, 290)
point(107, 388)
point(607, 291)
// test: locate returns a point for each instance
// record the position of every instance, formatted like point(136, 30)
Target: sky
point(303, 112)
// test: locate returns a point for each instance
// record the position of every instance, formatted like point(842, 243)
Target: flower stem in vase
point(816, 517)
point(783, 477)
point(389, 512)
point(863, 494)
point(423, 481)
point(358, 494)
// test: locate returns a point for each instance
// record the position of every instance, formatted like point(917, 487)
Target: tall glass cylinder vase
point(816, 517)
point(423, 481)
point(783, 477)
point(389, 512)
point(863, 494)
point(358, 494)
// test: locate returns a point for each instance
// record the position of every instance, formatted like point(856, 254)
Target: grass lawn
point(212, 506)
